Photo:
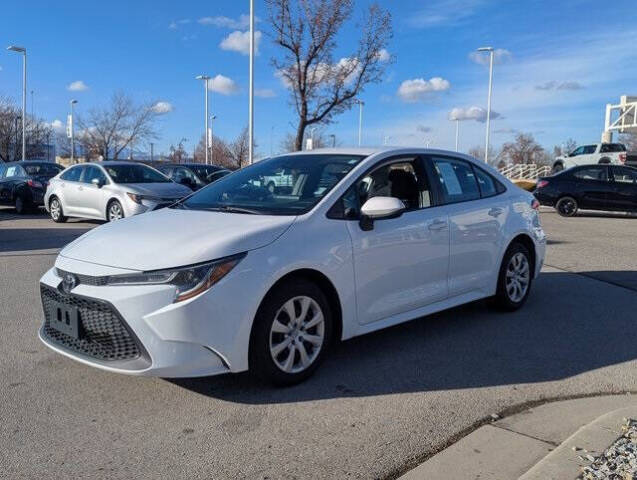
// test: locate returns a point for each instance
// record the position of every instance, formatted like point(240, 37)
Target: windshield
point(43, 169)
point(287, 185)
point(134, 174)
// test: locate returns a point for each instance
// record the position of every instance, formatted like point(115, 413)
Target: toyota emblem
point(69, 282)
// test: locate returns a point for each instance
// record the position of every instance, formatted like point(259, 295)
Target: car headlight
point(137, 198)
point(188, 281)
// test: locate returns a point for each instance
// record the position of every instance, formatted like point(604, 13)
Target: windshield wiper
point(179, 205)
point(229, 209)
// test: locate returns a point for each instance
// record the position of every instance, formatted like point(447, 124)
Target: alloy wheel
point(115, 212)
point(518, 276)
point(55, 209)
point(297, 334)
point(566, 207)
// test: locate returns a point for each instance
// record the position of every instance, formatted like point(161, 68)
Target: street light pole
point(486, 147)
point(23, 51)
point(72, 102)
point(333, 137)
point(360, 120)
point(205, 79)
point(212, 136)
point(251, 112)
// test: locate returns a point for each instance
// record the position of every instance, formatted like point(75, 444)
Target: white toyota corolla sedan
point(241, 275)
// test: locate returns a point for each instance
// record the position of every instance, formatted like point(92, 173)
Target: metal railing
point(527, 171)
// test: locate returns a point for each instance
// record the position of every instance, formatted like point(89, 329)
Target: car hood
point(172, 238)
point(163, 190)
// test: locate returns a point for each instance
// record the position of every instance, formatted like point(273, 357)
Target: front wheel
point(566, 206)
point(114, 211)
point(56, 211)
point(514, 280)
point(291, 333)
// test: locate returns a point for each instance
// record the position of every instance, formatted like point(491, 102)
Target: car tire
point(566, 206)
point(515, 278)
point(114, 211)
point(286, 350)
point(558, 167)
point(22, 205)
point(604, 161)
point(56, 211)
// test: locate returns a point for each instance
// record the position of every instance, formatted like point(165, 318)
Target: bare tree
point(306, 31)
point(288, 144)
point(630, 140)
point(523, 150)
point(38, 133)
point(238, 149)
point(117, 126)
point(178, 153)
point(565, 148)
point(478, 153)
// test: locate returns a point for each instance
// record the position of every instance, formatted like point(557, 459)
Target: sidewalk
point(552, 441)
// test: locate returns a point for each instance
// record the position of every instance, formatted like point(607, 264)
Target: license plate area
point(66, 319)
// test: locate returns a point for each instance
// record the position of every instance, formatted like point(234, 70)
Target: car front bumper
point(202, 336)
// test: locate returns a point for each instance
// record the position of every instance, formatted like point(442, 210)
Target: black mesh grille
point(104, 334)
point(85, 279)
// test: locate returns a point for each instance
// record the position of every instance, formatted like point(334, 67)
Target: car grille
point(105, 336)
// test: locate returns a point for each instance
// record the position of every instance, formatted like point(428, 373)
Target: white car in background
point(109, 191)
point(595, 153)
point(237, 277)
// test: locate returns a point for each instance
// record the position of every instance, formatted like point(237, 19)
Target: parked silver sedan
point(109, 191)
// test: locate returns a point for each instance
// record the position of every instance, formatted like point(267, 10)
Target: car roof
point(32, 162)
point(188, 164)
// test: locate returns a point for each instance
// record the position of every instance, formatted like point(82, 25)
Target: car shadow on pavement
point(27, 239)
point(571, 324)
point(596, 214)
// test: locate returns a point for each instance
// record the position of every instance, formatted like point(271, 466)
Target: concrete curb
point(592, 439)
point(529, 444)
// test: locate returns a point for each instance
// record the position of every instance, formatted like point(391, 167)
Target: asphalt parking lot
point(380, 402)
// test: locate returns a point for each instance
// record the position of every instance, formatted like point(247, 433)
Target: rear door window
point(592, 173)
point(456, 180)
point(624, 175)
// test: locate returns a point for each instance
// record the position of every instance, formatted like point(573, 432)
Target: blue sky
point(559, 63)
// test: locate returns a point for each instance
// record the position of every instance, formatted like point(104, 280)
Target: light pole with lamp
point(205, 79)
point(23, 51)
point(251, 109)
point(71, 128)
point(212, 137)
point(490, 50)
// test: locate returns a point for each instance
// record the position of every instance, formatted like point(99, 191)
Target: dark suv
point(23, 184)
point(193, 175)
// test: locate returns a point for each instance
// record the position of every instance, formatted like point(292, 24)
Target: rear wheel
point(514, 280)
point(56, 211)
point(21, 205)
point(291, 333)
point(558, 167)
point(114, 211)
point(566, 206)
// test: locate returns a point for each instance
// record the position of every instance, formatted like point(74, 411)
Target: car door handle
point(438, 225)
point(496, 211)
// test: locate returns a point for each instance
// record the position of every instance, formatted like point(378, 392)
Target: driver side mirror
point(99, 183)
point(378, 208)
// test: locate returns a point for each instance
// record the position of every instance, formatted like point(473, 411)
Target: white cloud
point(264, 92)
point(440, 13)
point(175, 23)
point(500, 55)
point(472, 113)
point(554, 85)
point(223, 85)
point(417, 89)
point(163, 107)
point(383, 55)
point(241, 23)
point(77, 86)
point(239, 41)
point(57, 126)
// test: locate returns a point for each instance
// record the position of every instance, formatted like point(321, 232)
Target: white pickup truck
point(590, 154)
